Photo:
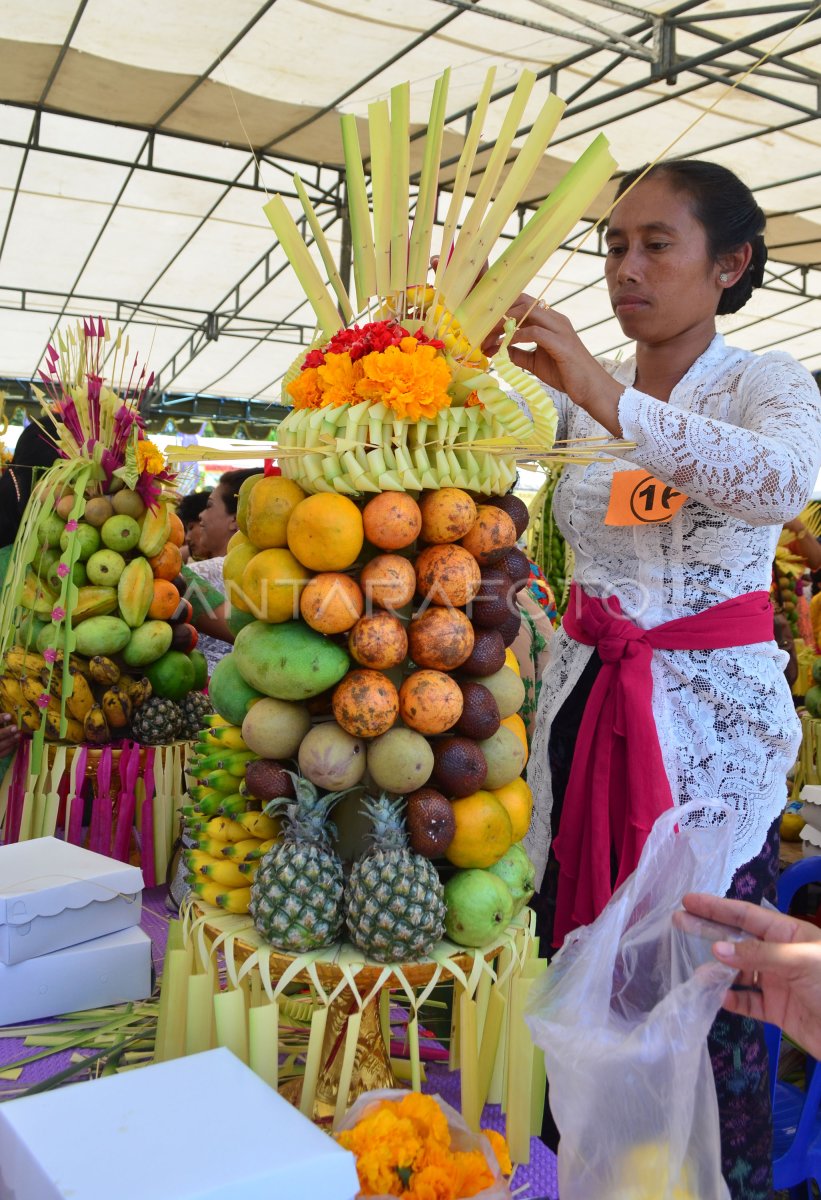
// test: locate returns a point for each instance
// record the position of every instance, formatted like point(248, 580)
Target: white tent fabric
point(138, 144)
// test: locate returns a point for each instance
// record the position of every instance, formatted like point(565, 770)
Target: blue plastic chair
point(796, 1112)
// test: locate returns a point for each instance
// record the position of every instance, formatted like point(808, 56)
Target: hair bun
point(758, 261)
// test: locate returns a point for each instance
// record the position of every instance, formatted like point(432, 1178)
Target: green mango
point(288, 661)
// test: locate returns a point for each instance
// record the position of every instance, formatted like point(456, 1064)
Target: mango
point(288, 661)
point(135, 592)
point(148, 643)
point(102, 635)
point(230, 695)
point(155, 529)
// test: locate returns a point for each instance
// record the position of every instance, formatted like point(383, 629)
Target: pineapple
point(157, 722)
point(296, 896)
point(195, 708)
point(394, 899)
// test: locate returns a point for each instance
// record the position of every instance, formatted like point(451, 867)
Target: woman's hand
point(9, 735)
point(780, 966)
point(560, 360)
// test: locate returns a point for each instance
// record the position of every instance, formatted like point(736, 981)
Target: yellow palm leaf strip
point(319, 298)
point(379, 131)
point(811, 518)
point(334, 278)
point(461, 179)
point(465, 263)
point(400, 166)
point(530, 249)
point(422, 230)
point(364, 261)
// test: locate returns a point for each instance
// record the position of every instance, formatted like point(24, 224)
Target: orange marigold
point(413, 383)
point(427, 1116)
point(304, 390)
point(500, 1149)
point(433, 1183)
point(471, 1169)
point(338, 379)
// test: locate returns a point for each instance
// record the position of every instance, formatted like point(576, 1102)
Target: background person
point(189, 510)
point(700, 709)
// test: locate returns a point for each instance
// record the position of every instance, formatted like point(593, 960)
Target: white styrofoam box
point(54, 894)
point(156, 1131)
point(811, 793)
point(107, 970)
point(811, 815)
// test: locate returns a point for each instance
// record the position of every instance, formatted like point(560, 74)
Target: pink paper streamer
point(101, 808)
point(17, 791)
point(129, 766)
point(75, 821)
point(147, 855)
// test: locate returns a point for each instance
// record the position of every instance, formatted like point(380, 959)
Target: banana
point(240, 850)
point(230, 737)
point(33, 692)
point(205, 797)
point(222, 871)
point(103, 670)
point(262, 848)
point(81, 698)
point(211, 846)
point(258, 824)
point(234, 900)
point(226, 830)
point(11, 694)
point(248, 867)
point(236, 762)
point(215, 721)
point(96, 726)
point(116, 706)
point(233, 805)
point(23, 662)
point(75, 730)
point(221, 780)
point(206, 743)
point(28, 718)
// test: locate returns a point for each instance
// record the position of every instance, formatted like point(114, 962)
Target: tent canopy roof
point(138, 143)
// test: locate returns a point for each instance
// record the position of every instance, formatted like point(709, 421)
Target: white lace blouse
point(741, 436)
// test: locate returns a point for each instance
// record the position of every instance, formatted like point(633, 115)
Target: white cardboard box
point(53, 894)
point(107, 970)
point(199, 1128)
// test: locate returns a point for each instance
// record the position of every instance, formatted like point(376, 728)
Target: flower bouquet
point(420, 1148)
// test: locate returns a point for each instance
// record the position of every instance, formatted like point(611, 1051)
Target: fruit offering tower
point(96, 648)
point(374, 583)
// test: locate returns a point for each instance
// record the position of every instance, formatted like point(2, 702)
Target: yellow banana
point(11, 693)
point(229, 737)
point(233, 900)
point(223, 781)
point(138, 690)
point(224, 872)
point(96, 726)
point(262, 848)
point(23, 662)
point(236, 762)
point(28, 718)
point(259, 825)
point(215, 721)
point(211, 846)
point(81, 698)
point(75, 730)
point(116, 706)
point(33, 691)
point(239, 850)
point(206, 742)
point(103, 670)
point(226, 830)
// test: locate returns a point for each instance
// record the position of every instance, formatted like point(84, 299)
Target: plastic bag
point(623, 1014)
point(462, 1138)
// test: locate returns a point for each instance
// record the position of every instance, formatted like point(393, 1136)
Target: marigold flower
point(149, 458)
point(304, 390)
point(338, 379)
point(500, 1149)
point(414, 384)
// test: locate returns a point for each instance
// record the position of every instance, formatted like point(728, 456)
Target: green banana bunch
point(545, 544)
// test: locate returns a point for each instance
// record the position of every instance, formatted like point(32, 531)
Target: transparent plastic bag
point(462, 1138)
point(622, 1016)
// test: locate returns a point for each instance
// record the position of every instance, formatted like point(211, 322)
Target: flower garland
point(380, 362)
point(403, 1148)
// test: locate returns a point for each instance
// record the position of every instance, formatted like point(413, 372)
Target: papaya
point(93, 602)
point(288, 661)
point(102, 635)
point(135, 592)
point(155, 528)
point(147, 644)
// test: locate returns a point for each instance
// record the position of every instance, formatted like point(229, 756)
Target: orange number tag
point(637, 498)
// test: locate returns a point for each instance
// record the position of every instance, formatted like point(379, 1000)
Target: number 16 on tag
point(637, 498)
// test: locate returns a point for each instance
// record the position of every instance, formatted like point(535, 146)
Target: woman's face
point(217, 524)
point(661, 277)
point(195, 539)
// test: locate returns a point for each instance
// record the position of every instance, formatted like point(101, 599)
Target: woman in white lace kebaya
point(727, 448)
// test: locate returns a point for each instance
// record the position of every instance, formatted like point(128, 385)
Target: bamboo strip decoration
point(311, 1026)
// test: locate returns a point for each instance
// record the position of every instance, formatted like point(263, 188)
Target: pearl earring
point(723, 277)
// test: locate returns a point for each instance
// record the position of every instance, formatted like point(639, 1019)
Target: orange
point(166, 600)
point(516, 725)
point(176, 533)
point(168, 563)
point(331, 602)
point(484, 831)
point(325, 532)
point(392, 520)
point(388, 581)
point(271, 583)
point(447, 515)
point(517, 800)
